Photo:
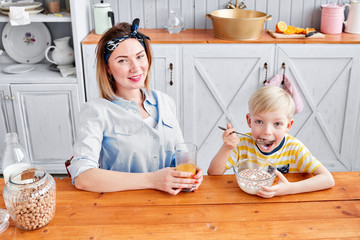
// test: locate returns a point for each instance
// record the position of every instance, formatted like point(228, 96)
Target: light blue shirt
point(112, 135)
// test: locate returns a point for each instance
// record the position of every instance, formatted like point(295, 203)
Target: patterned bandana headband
point(112, 44)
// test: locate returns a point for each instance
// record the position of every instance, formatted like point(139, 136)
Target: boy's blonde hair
point(269, 99)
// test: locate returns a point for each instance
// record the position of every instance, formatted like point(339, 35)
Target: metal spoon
point(258, 141)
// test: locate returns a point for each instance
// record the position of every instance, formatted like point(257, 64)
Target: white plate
point(19, 68)
point(27, 6)
point(26, 43)
point(30, 11)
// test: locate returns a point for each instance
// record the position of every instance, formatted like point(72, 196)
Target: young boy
point(270, 118)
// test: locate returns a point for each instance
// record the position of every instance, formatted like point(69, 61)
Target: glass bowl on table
point(253, 173)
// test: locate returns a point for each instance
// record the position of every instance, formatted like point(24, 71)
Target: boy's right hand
point(230, 139)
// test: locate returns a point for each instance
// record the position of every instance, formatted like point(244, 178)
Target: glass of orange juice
point(185, 158)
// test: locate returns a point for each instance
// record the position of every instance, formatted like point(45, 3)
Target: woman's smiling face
point(129, 65)
point(270, 126)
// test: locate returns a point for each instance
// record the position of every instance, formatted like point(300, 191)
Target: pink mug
point(332, 18)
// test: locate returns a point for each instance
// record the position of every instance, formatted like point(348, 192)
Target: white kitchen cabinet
point(45, 117)
point(164, 72)
point(356, 145)
point(218, 80)
point(89, 62)
point(213, 83)
point(7, 120)
point(41, 106)
point(327, 77)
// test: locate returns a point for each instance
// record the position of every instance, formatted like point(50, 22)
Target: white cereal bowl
point(253, 173)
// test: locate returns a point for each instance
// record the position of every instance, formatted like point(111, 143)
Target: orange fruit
point(290, 30)
point(307, 30)
point(281, 27)
point(299, 30)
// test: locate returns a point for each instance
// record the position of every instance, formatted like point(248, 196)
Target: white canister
point(352, 24)
point(103, 17)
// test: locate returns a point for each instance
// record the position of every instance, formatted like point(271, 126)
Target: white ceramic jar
point(63, 54)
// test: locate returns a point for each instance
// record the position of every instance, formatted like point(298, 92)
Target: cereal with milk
point(247, 184)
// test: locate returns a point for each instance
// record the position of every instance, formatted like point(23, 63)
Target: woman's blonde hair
point(105, 81)
point(269, 99)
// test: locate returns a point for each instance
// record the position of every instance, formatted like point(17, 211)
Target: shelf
point(41, 74)
point(59, 17)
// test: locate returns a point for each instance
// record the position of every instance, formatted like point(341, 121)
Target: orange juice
point(186, 167)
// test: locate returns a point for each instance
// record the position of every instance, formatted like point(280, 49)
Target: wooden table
point(218, 210)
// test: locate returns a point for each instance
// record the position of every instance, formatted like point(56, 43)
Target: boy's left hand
point(276, 190)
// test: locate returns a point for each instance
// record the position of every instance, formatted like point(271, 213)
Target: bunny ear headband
point(112, 44)
point(289, 87)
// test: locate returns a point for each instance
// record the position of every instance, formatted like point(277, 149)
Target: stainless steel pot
point(238, 24)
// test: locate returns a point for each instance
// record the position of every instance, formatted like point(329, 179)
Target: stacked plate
point(32, 8)
point(26, 43)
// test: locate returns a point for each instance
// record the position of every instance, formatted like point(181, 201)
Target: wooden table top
point(161, 36)
point(218, 210)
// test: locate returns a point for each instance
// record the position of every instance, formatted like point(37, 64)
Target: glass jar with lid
point(30, 197)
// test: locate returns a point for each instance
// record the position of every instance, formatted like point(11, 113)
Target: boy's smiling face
point(270, 126)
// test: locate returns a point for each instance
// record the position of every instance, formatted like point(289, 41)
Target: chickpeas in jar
point(30, 198)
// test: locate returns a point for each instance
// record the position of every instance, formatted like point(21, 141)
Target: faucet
point(237, 6)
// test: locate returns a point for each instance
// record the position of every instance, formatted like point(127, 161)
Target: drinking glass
point(185, 158)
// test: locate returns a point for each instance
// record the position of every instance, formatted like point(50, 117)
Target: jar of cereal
point(30, 197)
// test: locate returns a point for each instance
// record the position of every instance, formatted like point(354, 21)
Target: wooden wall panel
point(154, 13)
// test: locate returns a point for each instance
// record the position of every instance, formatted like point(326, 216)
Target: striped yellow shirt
point(292, 157)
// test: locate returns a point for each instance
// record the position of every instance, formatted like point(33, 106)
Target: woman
point(126, 138)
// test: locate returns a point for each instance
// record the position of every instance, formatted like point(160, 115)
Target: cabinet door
point(7, 121)
point(218, 82)
point(162, 77)
point(327, 77)
point(89, 62)
point(165, 71)
point(46, 117)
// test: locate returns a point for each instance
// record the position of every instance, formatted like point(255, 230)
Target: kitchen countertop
point(161, 36)
point(218, 210)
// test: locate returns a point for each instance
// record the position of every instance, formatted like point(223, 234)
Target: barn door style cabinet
point(212, 83)
point(41, 106)
point(218, 81)
point(327, 77)
point(220, 78)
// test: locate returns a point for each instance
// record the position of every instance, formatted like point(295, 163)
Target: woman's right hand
point(172, 181)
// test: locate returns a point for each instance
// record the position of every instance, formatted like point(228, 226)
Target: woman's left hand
point(199, 178)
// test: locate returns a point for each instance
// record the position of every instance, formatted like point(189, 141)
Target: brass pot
point(238, 24)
